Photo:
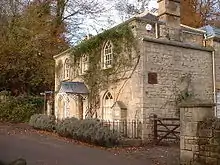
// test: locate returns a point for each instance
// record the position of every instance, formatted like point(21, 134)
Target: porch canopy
point(73, 88)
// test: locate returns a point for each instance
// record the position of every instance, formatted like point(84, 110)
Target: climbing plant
point(96, 78)
point(183, 94)
point(58, 69)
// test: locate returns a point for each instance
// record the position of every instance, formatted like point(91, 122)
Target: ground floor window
point(107, 106)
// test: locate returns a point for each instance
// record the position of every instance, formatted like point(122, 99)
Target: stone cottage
point(146, 65)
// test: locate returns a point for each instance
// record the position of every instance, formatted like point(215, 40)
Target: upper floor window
point(67, 69)
point(84, 60)
point(107, 55)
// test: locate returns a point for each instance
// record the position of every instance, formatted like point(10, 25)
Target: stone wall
point(200, 135)
point(180, 69)
point(129, 89)
point(216, 46)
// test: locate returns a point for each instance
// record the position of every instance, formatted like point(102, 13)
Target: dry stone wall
point(200, 135)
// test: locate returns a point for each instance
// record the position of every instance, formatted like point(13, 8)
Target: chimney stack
point(169, 12)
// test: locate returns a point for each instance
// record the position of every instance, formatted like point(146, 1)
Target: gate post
point(191, 115)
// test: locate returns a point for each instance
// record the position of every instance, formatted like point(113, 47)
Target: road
point(40, 149)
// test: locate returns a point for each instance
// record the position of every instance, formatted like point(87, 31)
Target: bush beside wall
point(88, 130)
point(42, 122)
point(66, 127)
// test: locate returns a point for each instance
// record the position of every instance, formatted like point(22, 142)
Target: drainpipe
point(213, 77)
point(214, 81)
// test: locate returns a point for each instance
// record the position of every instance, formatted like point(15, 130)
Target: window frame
point(67, 69)
point(107, 55)
point(107, 108)
point(84, 63)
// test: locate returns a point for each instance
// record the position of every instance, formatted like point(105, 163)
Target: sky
point(153, 3)
point(108, 20)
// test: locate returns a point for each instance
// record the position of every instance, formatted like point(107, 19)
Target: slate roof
point(211, 31)
point(120, 104)
point(73, 87)
point(147, 15)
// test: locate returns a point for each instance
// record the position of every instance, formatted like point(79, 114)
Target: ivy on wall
point(96, 78)
point(59, 72)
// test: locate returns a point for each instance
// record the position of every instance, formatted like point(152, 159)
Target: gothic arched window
point(67, 69)
point(107, 106)
point(107, 55)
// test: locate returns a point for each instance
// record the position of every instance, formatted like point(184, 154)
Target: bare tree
point(128, 8)
point(75, 13)
point(201, 12)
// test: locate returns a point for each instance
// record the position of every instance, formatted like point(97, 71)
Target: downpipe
point(214, 82)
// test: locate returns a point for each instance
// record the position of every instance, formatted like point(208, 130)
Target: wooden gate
point(166, 129)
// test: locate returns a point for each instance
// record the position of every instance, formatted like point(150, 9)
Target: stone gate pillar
point(191, 115)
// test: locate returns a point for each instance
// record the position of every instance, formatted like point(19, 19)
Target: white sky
point(153, 3)
point(101, 23)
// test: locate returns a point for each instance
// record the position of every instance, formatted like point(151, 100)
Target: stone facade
point(200, 135)
point(171, 65)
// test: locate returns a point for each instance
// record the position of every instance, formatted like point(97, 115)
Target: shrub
point(19, 109)
point(93, 131)
point(42, 122)
point(106, 137)
point(85, 130)
point(88, 130)
point(67, 127)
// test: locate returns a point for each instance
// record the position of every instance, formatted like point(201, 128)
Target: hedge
point(19, 109)
point(67, 126)
point(88, 130)
point(42, 122)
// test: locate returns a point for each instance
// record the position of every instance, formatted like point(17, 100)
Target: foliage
point(84, 132)
point(200, 12)
point(96, 78)
point(67, 126)
point(93, 131)
point(87, 130)
point(27, 45)
point(42, 122)
point(128, 9)
point(116, 35)
point(19, 109)
point(184, 92)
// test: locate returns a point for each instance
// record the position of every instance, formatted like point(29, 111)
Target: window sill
point(66, 79)
point(107, 67)
point(84, 73)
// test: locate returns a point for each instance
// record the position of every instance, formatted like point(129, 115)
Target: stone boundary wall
point(199, 135)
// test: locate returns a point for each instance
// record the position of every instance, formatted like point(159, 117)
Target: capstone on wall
point(199, 135)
